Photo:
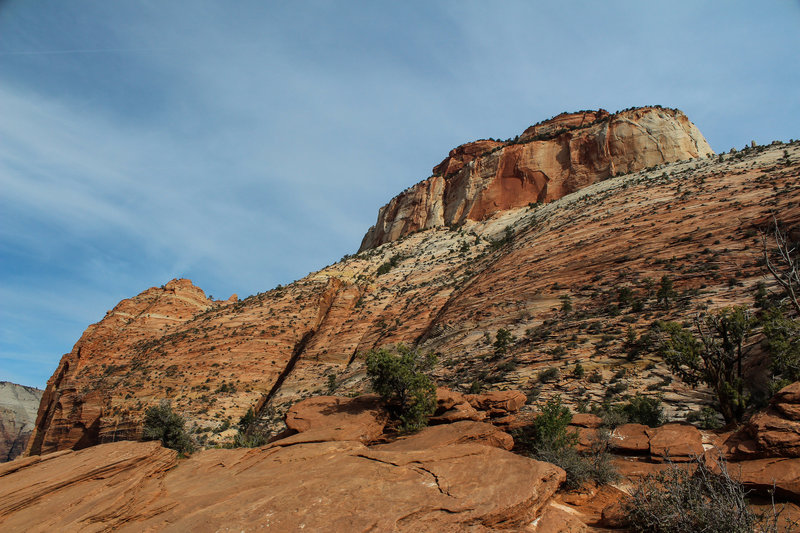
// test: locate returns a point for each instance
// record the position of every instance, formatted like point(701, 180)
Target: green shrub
point(400, 379)
point(713, 358)
point(163, 424)
point(549, 439)
point(549, 374)
point(389, 265)
point(578, 372)
point(566, 303)
point(645, 410)
point(707, 418)
point(503, 339)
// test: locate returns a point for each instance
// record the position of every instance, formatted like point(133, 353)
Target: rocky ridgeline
point(450, 290)
point(547, 162)
point(18, 407)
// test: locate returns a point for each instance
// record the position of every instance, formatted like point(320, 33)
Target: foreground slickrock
point(433, 481)
point(18, 408)
point(451, 289)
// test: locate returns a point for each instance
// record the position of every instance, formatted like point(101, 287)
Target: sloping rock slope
point(18, 408)
point(432, 481)
point(448, 289)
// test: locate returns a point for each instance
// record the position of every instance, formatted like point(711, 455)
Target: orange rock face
point(72, 408)
point(552, 159)
point(318, 486)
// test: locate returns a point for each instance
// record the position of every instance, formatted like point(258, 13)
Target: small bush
point(401, 381)
point(644, 410)
point(503, 339)
point(549, 439)
point(162, 423)
point(707, 418)
point(595, 377)
point(549, 374)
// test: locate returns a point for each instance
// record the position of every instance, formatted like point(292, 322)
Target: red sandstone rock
point(461, 155)
point(538, 171)
point(776, 436)
point(586, 420)
point(676, 442)
point(790, 394)
point(760, 475)
point(455, 433)
point(324, 486)
point(461, 411)
point(282, 345)
point(586, 436)
point(499, 402)
point(446, 399)
point(333, 418)
point(556, 519)
point(630, 438)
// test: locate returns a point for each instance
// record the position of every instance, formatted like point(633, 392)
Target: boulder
point(455, 433)
point(630, 439)
point(558, 519)
point(327, 418)
point(586, 420)
point(446, 399)
point(498, 402)
point(775, 435)
point(461, 411)
point(676, 442)
point(761, 474)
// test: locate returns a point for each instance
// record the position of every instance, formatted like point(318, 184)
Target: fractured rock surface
point(319, 486)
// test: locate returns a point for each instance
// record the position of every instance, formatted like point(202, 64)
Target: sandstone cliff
point(447, 290)
point(18, 407)
point(548, 161)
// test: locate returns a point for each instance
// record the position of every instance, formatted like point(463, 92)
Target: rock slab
point(320, 486)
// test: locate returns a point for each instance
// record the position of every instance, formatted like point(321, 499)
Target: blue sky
point(245, 144)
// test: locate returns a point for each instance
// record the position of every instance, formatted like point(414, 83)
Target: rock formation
point(18, 407)
point(549, 161)
point(449, 290)
point(451, 480)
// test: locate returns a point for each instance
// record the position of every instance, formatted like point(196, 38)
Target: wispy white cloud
point(245, 147)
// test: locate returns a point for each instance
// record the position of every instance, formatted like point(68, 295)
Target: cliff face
point(548, 161)
point(18, 406)
point(450, 290)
